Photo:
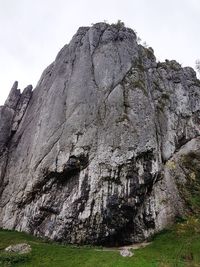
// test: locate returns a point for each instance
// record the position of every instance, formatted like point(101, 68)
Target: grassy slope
point(179, 246)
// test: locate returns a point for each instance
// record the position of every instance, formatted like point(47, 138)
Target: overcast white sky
point(33, 31)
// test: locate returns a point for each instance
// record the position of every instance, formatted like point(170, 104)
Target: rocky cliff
point(99, 151)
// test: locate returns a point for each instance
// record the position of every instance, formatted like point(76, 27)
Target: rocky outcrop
point(11, 115)
point(22, 248)
point(12, 112)
point(86, 156)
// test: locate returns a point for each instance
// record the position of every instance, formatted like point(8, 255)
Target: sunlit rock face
point(85, 156)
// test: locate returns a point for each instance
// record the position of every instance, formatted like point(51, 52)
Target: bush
point(8, 259)
point(120, 24)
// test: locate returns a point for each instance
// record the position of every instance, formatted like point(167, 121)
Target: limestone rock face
point(84, 157)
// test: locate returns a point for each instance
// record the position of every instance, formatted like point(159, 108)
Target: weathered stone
point(22, 248)
point(13, 97)
point(85, 155)
point(126, 253)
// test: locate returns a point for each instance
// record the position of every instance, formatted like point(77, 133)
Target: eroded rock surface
point(84, 156)
point(21, 248)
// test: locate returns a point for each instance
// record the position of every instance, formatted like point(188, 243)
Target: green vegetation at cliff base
point(178, 246)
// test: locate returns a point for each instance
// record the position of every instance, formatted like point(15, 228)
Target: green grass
point(179, 246)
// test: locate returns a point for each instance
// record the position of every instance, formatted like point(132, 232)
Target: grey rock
point(22, 248)
point(21, 106)
point(85, 154)
point(126, 253)
point(12, 112)
point(13, 97)
point(6, 117)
